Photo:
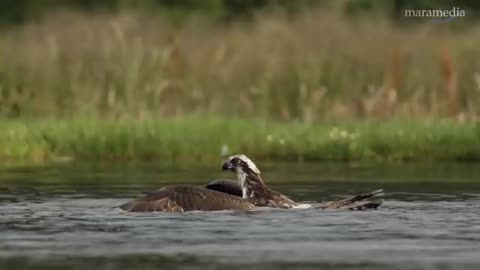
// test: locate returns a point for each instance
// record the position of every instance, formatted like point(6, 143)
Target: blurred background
point(284, 60)
point(299, 61)
point(102, 101)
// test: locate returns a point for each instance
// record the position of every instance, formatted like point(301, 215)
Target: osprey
point(250, 192)
point(254, 190)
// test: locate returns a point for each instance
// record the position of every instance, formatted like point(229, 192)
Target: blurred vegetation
point(315, 66)
point(203, 140)
point(23, 10)
point(140, 73)
point(20, 11)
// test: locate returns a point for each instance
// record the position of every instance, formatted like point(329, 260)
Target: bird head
point(248, 175)
point(240, 164)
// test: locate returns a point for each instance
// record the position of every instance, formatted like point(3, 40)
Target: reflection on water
point(59, 217)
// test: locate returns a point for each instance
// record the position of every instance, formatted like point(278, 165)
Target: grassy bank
point(314, 66)
point(205, 140)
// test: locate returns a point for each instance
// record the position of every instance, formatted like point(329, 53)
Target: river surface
point(65, 217)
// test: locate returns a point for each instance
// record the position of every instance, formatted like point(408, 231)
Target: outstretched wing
point(186, 198)
point(371, 200)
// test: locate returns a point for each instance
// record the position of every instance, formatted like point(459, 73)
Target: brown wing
point(371, 200)
point(186, 198)
point(225, 186)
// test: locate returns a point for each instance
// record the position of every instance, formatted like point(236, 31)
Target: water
point(65, 217)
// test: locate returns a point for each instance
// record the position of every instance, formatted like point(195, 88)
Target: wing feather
point(226, 186)
point(371, 200)
point(186, 198)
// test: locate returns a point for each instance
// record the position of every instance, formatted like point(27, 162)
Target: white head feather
point(249, 162)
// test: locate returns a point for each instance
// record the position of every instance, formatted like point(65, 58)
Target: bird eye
point(237, 161)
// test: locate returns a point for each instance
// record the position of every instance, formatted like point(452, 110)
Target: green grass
point(203, 139)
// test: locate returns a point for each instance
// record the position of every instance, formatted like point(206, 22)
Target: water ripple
point(82, 228)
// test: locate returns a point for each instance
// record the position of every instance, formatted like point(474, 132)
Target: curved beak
point(227, 165)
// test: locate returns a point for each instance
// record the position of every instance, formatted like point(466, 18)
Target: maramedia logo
point(437, 15)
